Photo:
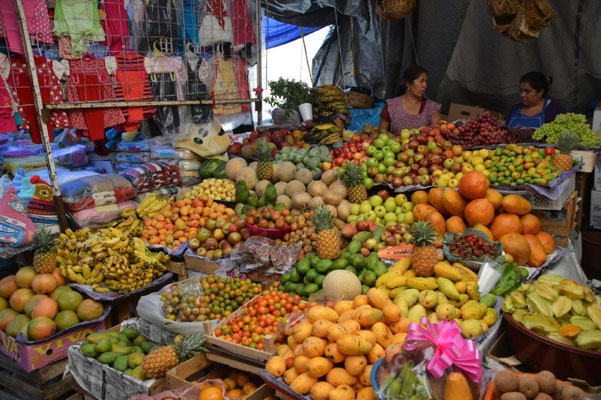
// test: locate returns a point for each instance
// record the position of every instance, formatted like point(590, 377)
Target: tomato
point(549, 151)
point(289, 307)
point(218, 332)
point(260, 346)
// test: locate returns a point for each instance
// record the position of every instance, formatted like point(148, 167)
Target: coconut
point(294, 187)
point(316, 201)
point(304, 175)
point(339, 188)
point(286, 171)
point(341, 284)
point(280, 188)
point(317, 188)
point(260, 188)
point(332, 198)
point(344, 209)
point(249, 176)
point(329, 176)
point(233, 166)
point(300, 200)
point(285, 200)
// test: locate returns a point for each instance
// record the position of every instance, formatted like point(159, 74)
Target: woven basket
point(360, 100)
point(394, 9)
point(502, 24)
point(503, 8)
point(520, 30)
point(539, 13)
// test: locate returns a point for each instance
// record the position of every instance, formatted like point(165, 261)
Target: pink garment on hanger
point(115, 24)
point(38, 22)
point(7, 121)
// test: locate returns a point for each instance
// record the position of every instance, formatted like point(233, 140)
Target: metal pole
point(39, 106)
point(259, 104)
point(125, 104)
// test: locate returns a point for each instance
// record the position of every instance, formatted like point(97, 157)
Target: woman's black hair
point(411, 74)
point(537, 80)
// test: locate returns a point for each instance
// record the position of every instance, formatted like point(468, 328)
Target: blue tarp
point(278, 33)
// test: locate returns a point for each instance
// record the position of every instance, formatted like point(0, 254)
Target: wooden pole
point(259, 104)
point(39, 106)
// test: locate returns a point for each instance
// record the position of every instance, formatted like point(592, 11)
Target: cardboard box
point(35, 356)
point(595, 216)
point(596, 125)
point(461, 111)
point(587, 159)
point(195, 263)
point(597, 176)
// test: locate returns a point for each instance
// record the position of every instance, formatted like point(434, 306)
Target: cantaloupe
point(339, 188)
point(249, 176)
point(286, 171)
point(300, 200)
point(294, 187)
point(317, 188)
point(315, 202)
point(304, 175)
point(280, 188)
point(285, 200)
point(260, 188)
point(341, 284)
point(329, 176)
point(233, 166)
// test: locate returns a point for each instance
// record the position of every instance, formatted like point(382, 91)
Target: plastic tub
point(490, 391)
point(268, 233)
point(545, 354)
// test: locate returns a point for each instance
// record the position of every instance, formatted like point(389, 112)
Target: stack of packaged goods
point(132, 154)
point(187, 162)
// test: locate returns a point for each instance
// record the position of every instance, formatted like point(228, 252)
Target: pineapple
point(423, 255)
point(353, 179)
point(328, 239)
point(264, 154)
point(566, 142)
point(161, 360)
point(44, 259)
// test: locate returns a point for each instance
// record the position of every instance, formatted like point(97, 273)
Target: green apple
point(388, 161)
point(379, 143)
point(407, 237)
point(351, 219)
point(368, 182)
point(381, 168)
point(400, 218)
point(408, 219)
point(372, 162)
point(375, 201)
point(380, 246)
point(398, 211)
point(369, 150)
point(371, 243)
point(395, 147)
point(378, 155)
point(391, 223)
point(390, 217)
point(371, 216)
point(389, 204)
point(383, 137)
point(407, 207)
point(355, 209)
point(380, 211)
point(365, 207)
point(405, 133)
point(400, 199)
point(379, 221)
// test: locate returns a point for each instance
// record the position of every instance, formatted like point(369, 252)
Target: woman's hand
point(436, 118)
point(384, 125)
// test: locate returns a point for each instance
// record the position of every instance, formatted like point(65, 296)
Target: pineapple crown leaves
point(567, 141)
point(190, 346)
point(352, 175)
point(423, 234)
point(264, 150)
point(322, 218)
point(44, 241)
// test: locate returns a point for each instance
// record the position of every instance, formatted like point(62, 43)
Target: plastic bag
point(16, 229)
point(165, 152)
point(138, 158)
point(135, 147)
point(208, 140)
point(97, 190)
point(152, 176)
point(100, 215)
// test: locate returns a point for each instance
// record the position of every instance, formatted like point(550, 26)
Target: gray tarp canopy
point(468, 61)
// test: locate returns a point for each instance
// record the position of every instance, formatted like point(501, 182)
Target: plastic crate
point(542, 202)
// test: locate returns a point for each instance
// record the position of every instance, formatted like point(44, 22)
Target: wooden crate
point(583, 187)
point(200, 368)
point(46, 383)
point(194, 263)
point(179, 269)
point(561, 223)
point(237, 350)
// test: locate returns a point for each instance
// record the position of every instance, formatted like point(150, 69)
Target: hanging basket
point(503, 8)
point(361, 97)
point(520, 30)
point(502, 24)
point(394, 9)
point(539, 14)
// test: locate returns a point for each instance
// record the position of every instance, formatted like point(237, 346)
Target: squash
point(314, 346)
point(321, 391)
point(318, 367)
point(355, 365)
point(276, 366)
point(320, 328)
point(457, 387)
point(353, 345)
point(339, 376)
point(303, 383)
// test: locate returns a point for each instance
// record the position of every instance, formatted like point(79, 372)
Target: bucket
point(591, 254)
point(306, 111)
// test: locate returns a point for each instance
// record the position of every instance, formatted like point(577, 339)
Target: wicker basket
point(503, 8)
point(360, 100)
point(394, 9)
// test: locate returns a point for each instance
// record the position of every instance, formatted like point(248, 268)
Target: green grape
point(576, 123)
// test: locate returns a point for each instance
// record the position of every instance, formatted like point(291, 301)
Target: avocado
point(361, 236)
point(120, 363)
point(103, 346)
point(89, 350)
point(138, 373)
point(270, 194)
point(108, 357)
point(139, 340)
point(242, 192)
point(130, 333)
point(117, 348)
point(135, 359)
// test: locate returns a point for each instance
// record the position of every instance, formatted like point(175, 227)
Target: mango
point(447, 287)
point(416, 313)
point(409, 296)
point(428, 299)
point(445, 270)
point(120, 363)
point(421, 283)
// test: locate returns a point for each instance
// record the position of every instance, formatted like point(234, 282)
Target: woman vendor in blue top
point(535, 109)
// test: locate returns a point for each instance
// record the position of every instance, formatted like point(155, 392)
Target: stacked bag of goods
point(189, 163)
point(133, 154)
point(152, 176)
point(31, 158)
point(97, 199)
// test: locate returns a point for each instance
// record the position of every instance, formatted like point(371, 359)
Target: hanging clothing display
point(89, 80)
point(197, 90)
point(216, 26)
point(189, 27)
point(229, 82)
point(38, 23)
point(78, 19)
point(172, 65)
point(49, 73)
point(115, 24)
point(243, 29)
point(133, 86)
point(161, 22)
point(7, 119)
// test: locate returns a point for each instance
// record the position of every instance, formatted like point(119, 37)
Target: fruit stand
point(320, 263)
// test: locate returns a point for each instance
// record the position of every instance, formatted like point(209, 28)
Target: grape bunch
point(576, 123)
point(482, 131)
point(520, 135)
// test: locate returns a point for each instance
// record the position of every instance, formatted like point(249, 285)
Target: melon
point(249, 176)
point(341, 284)
point(294, 187)
point(233, 166)
point(24, 276)
point(44, 283)
point(286, 172)
point(304, 175)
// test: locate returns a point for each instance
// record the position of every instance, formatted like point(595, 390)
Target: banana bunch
point(152, 205)
point(332, 138)
point(333, 97)
point(108, 259)
point(321, 134)
point(129, 223)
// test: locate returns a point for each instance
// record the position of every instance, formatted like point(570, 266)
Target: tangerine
point(211, 393)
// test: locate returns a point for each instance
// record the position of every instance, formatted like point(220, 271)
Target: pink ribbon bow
point(451, 348)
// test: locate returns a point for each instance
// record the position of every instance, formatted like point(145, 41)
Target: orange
point(242, 379)
point(211, 393)
point(230, 383)
point(249, 387)
point(234, 394)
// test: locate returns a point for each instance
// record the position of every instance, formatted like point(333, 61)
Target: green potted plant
point(292, 95)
